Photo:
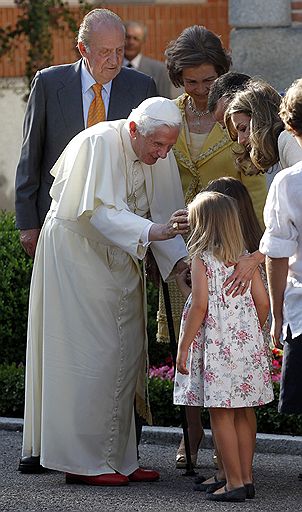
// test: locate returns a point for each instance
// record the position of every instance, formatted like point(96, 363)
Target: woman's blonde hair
point(215, 227)
point(260, 102)
point(291, 108)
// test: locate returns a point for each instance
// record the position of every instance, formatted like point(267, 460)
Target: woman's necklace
point(198, 113)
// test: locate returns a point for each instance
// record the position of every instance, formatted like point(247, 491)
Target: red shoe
point(106, 479)
point(144, 475)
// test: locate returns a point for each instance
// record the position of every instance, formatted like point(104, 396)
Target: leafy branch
point(36, 23)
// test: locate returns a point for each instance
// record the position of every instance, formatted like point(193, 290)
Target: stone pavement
point(277, 463)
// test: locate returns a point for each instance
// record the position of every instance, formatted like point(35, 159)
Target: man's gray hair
point(153, 113)
point(94, 18)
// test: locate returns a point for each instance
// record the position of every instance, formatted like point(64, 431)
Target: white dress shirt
point(283, 239)
point(289, 150)
point(134, 62)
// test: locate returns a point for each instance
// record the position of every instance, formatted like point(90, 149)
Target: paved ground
point(277, 486)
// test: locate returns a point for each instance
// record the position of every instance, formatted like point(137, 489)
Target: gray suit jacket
point(158, 71)
point(54, 115)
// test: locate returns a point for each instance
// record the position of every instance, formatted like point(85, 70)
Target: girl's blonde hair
point(215, 227)
point(261, 102)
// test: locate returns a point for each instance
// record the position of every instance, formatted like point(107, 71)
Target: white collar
point(135, 62)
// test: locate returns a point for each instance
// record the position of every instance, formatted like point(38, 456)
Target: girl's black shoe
point(250, 491)
point(235, 495)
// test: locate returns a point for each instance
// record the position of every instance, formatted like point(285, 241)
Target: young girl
point(221, 341)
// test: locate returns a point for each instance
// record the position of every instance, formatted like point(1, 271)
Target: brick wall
point(296, 13)
point(164, 23)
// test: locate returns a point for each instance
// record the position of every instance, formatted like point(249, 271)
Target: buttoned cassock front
point(87, 314)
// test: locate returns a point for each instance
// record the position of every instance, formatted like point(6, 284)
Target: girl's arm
point(260, 297)
point(196, 312)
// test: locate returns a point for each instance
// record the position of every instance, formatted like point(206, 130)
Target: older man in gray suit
point(135, 37)
point(58, 109)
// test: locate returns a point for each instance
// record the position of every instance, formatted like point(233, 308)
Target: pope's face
point(105, 54)
point(150, 148)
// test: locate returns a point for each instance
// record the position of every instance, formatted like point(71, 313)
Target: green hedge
point(12, 391)
point(15, 273)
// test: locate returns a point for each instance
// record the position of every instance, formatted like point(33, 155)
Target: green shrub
point(12, 390)
point(15, 273)
point(163, 412)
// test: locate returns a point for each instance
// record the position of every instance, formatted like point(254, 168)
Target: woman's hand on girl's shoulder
point(240, 279)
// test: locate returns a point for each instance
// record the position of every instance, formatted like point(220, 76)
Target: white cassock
point(86, 353)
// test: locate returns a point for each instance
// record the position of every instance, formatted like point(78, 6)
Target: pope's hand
point(177, 225)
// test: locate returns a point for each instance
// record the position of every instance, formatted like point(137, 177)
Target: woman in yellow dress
point(203, 152)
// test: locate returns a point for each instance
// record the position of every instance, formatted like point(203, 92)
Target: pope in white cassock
point(115, 190)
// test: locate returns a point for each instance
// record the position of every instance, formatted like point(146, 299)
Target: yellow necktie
point(96, 112)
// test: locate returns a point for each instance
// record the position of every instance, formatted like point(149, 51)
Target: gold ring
point(175, 225)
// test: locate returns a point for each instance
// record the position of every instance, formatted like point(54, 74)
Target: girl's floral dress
point(227, 362)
